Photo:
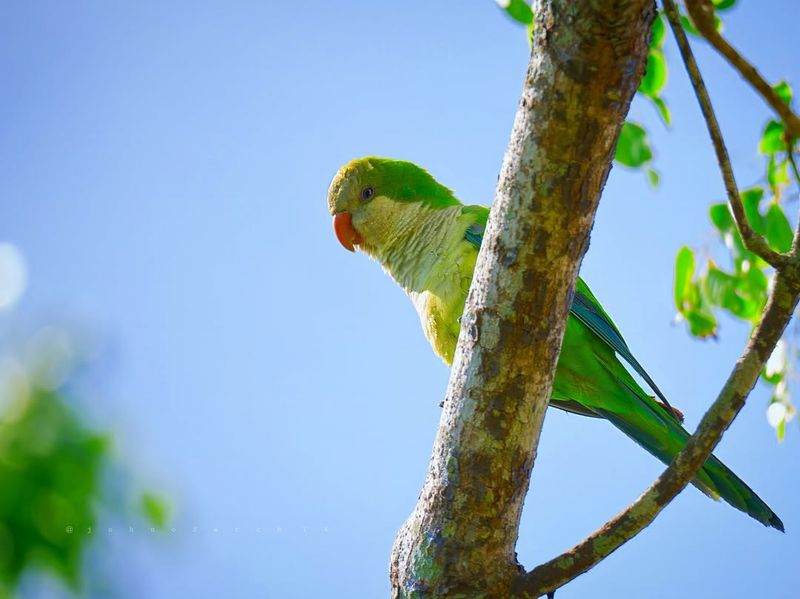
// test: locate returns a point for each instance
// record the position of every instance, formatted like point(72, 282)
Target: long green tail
point(715, 479)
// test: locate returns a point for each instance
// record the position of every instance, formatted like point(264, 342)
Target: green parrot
point(428, 241)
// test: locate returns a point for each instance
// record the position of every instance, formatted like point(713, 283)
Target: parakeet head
point(369, 196)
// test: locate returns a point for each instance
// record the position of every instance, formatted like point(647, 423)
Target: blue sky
point(163, 169)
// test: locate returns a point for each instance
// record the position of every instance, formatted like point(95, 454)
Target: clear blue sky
point(163, 168)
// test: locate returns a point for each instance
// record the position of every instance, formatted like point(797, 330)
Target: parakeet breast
point(434, 265)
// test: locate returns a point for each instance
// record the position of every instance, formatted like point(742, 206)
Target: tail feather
point(736, 492)
point(665, 442)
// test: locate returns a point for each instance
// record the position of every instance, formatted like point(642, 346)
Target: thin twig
point(702, 14)
point(752, 240)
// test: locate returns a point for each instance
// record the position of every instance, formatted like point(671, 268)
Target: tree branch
point(583, 556)
point(702, 14)
point(777, 314)
point(586, 63)
point(752, 240)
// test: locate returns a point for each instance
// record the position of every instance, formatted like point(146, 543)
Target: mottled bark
point(586, 63)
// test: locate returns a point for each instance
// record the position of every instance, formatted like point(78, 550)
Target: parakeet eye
point(367, 193)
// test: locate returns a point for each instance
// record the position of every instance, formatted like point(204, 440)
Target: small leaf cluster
point(633, 148)
point(50, 466)
point(741, 290)
point(53, 475)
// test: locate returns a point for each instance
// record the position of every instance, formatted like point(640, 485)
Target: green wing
point(591, 381)
point(588, 310)
point(585, 307)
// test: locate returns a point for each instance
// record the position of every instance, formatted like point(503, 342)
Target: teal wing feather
point(587, 309)
point(584, 307)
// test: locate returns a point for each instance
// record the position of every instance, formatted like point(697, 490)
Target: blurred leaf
point(780, 430)
point(663, 110)
point(754, 285)
point(702, 323)
point(50, 467)
point(784, 92)
point(689, 26)
point(777, 173)
point(653, 177)
point(778, 230)
point(691, 29)
point(659, 32)
point(723, 4)
point(721, 217)
point(519, 10)
point(655, 76)
point(751, 198)
point(772, 139)
point(155, 510)
point(721, 290)
point(633, 148)
point(684, 273)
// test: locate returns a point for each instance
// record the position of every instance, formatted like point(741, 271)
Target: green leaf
point(777, 173)
point(702, 323)
point(689, 26)
point(721, 217)
point(519, 10)
point(655, 77)
point(721, 291)
point(772, 139)
point(692, 30)
point(723, 4)
point(784, 92)
point(754, 285)
point(659, 32)
point(739, 293)
point(684, 272)
point(779, 231)
point(155, 509)
point(751, 198)
point(663, 109)
point(633, 148)
point(653, 177)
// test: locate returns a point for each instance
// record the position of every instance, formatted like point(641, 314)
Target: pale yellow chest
point(425, 252)
point(441, 302)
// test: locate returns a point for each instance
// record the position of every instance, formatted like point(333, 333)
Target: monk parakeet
point(428, 241)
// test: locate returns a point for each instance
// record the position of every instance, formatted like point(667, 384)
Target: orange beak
point(345, 232)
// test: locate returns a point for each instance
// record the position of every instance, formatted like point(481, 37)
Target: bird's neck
point(421, 237)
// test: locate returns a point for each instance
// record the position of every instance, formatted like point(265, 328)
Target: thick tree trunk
point(587, 60)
